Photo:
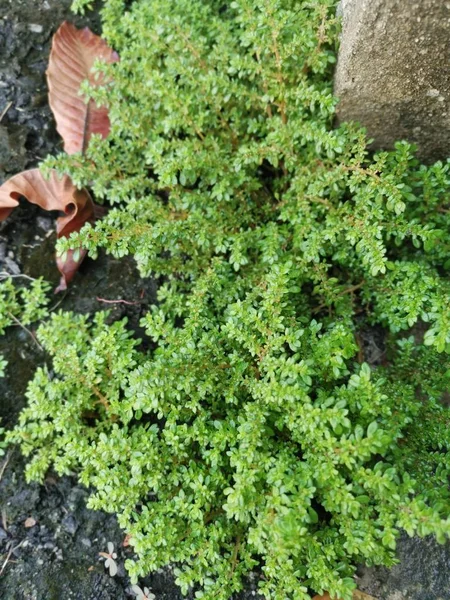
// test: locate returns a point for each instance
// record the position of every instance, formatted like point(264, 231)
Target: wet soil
point(49, 541)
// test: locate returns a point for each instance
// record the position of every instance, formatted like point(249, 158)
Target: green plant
point(3, 365)
point(22, 305)
point(252, 434)
point(142, 594)
point(110, 559)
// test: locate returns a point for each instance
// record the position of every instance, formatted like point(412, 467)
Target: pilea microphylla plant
point(253, 431)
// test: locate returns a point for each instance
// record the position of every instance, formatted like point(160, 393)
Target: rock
point(70, 524)
point(11, 266)
point(44, 223)
point(422, 573)
point(35, 28)
point(49, 546)
point(392, 74)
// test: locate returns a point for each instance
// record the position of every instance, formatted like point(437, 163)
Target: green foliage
point(3, 365)
point(22, 304)
point(252, 434)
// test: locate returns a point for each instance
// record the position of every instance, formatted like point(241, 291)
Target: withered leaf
point(55, 194)
point(74, 52)
point(357, 595)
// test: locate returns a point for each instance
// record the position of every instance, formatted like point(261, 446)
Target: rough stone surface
point(393, 73)
point(423, 572)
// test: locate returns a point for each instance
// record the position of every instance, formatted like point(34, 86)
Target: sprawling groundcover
point(249, 432)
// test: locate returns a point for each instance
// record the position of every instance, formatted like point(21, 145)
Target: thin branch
point(234, 559)
point(119, 301)
point(11, 316)
point(85, 128)
point(281, 105)
point(5, 464)
point(55, 306)
point(348, 290)
point(11, 550)
point(5, 110)
point(5, 275)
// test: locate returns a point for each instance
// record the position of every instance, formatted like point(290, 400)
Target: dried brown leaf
point(357, 595)
point(74, 52)
point(55, 194)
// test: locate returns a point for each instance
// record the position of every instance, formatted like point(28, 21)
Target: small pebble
point(44, 223)
point(35, 28)
point(11, 266)
point(70, 524)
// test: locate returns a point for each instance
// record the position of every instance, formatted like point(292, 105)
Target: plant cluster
point(251, 433)
point(22, 305)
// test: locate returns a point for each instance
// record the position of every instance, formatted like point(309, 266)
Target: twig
point(5, 275)
point(55, 306)
point(360, 357)
point(5, 110)
point(5, 464)
point(85, 128)
point(4, 520)
point(348, 290)
point(11, 316)
point(281, 105)
point(234, 559)
point(117, 301)
point(9, 556)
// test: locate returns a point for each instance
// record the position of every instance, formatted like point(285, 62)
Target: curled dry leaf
point(357, 595)
point(55, 194)
point(74, 52)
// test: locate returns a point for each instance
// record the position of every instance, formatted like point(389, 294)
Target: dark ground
point(57, 558)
